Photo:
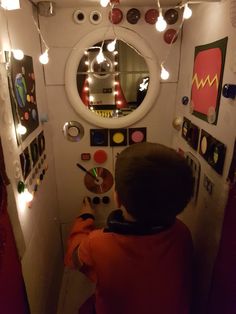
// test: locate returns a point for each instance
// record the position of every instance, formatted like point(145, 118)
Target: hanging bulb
point(164, 73)
point(111, 46)
point(10, 4)
point(21, 129)
point(28, 197)
point(161, 23)
point(44, 59)
point(100, 57)
point(18, 54)
point(187, 12)
point(104, 3)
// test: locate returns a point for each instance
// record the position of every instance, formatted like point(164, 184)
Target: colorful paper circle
point(115, 16)
point(151, 16)
point(100, 156)
point(137, 136)
point(171, 16)
point(133, 15)
point(204, 145)
point(170, 36)
point(118, 138)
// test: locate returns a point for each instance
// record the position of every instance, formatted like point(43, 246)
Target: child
point(141, 262)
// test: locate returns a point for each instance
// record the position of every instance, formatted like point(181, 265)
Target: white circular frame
point(75, 16)
point(139, 44)
point(91, 17)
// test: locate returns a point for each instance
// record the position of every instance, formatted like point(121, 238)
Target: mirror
point(121, 89)
point(116, 86)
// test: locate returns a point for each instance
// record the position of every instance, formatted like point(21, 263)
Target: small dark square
point(41, 143)
point(118, 137)
point(34, 151)
point(25, 162)
point(99, 137)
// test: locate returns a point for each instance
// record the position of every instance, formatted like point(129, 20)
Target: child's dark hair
point(154, 182)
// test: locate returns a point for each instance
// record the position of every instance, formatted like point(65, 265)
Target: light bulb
point(104, 3)
point(161, 23)
point(10, 4)
point(28, 197)
point(21, 129)
point(164, 74)
point(100, 57)
point(43, 59)
point(18, 54)
point(111, 46)
point(187, 12)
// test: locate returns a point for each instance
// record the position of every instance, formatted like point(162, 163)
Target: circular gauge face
point(99, 181)
point(73, 131)
point(204, 145)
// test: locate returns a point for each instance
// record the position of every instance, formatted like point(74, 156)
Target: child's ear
point(117, 199)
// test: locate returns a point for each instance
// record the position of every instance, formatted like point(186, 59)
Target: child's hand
point(86, 207)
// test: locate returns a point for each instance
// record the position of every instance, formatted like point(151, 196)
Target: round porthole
point(73, 131)
point(79, 17)
point(95, 17)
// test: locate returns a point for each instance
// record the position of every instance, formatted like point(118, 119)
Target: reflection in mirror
point(116, 86)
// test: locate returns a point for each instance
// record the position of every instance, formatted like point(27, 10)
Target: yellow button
point(118, 137)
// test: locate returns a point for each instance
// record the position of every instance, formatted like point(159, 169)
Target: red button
point(100, 156)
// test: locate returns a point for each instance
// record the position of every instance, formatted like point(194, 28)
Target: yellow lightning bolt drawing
point(202, 83)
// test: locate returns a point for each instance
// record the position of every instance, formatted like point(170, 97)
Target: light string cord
point(172, 40)
point(9, 75)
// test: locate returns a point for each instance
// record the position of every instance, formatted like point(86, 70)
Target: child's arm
point(81, 228)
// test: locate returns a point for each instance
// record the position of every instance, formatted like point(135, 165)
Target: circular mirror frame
point(137, 43)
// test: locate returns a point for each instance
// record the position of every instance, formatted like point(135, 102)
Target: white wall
point(210, 22)
point(36, 228)
point(62, 34)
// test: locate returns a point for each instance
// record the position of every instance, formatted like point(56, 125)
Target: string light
point(28, 197)
point(161, 23)
point(164, 73)
point(18, 54)
point(104, 3)
point(44, 59)
point(10, 4)
point(20, 129)
point(112, 46)
point(187, 12)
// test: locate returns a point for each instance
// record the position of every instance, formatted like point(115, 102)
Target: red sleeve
point(80, 231)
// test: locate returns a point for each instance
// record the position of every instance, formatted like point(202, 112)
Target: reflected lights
point(111, 46)
point(100, 57)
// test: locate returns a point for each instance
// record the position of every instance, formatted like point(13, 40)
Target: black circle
point(106, 199)
point(96, 200)
point(95, 17)
point(80, 16)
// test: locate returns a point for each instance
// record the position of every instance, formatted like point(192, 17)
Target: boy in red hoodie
point(141, 261)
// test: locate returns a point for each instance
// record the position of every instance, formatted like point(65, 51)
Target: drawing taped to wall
point(21, 82)
point(207, 80)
